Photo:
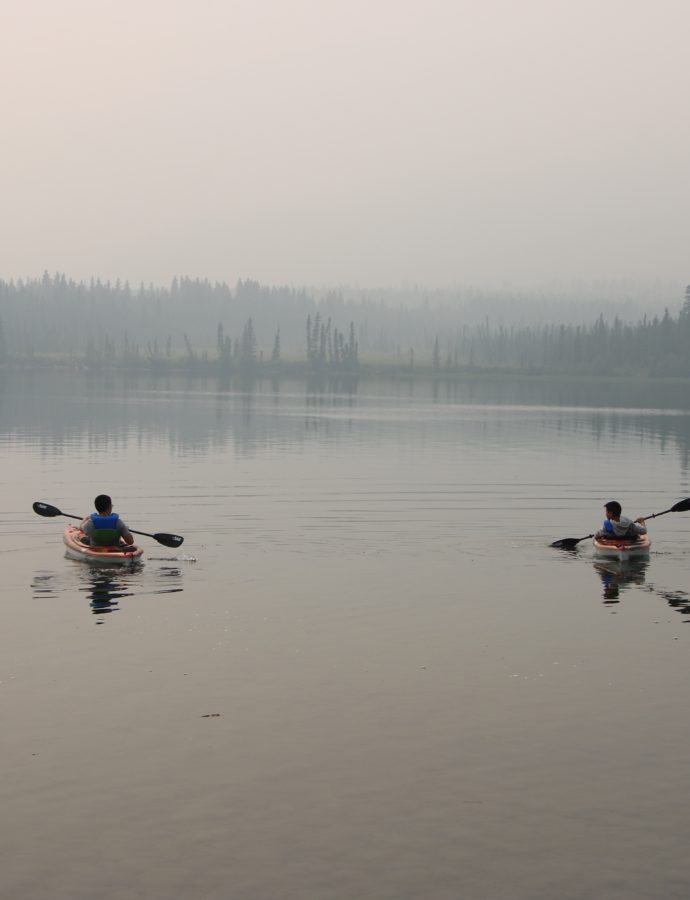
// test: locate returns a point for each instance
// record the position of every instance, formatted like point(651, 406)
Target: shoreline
point(364, 371)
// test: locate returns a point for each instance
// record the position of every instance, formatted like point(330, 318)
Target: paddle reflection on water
point(678, 600)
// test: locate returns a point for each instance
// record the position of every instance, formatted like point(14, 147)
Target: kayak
point(622, 548)
point(100, 556)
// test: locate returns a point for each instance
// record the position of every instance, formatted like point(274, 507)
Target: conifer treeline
point(202, 324)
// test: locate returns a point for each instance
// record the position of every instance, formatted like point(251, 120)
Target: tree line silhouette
point(204, 326)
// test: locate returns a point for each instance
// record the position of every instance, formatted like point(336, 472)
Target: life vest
point(608, 527)
point(105, 530)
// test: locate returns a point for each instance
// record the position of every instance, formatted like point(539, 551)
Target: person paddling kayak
point(619, 526)
point(104, 527)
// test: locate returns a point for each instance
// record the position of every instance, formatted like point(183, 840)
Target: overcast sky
point(371, 142)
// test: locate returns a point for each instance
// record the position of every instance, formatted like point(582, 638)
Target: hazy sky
point(307, 141)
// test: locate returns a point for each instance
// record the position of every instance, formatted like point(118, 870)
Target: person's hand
point(640, 521)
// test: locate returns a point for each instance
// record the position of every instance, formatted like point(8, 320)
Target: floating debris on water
point(172, 558)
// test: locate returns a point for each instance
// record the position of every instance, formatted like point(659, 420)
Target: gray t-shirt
point(625, 527)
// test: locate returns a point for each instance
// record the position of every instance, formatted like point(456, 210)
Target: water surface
point(365, 673)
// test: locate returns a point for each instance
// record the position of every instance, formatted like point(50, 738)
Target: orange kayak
point(101, 556)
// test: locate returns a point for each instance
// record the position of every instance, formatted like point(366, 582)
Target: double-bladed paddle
point(570, 543)
point(168, 540)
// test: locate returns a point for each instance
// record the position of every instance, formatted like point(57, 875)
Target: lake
point(364, 674)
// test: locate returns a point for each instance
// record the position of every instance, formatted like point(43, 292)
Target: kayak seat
point(105, 537)
point(109, 546)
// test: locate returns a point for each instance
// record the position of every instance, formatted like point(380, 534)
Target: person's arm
point(640, 526)
point(124, 532)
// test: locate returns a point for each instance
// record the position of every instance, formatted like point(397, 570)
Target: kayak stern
point(618, 548)
point(100, 556)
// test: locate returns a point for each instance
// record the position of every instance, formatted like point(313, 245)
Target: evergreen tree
point(275, 354)
point(354, 349)
point(309, 348)
point(248, 346)
point(436, 361)
point(225, 353)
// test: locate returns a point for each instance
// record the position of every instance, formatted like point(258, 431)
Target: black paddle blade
point(169, 540)
point(569, 543)
point(45, 509)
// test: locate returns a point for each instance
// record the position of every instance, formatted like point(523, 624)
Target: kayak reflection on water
point(617, 576)
point(104, 592)
point(105, 586)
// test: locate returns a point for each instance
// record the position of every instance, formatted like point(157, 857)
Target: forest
point(200, 326)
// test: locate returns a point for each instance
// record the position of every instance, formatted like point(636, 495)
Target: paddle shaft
point(654, 515)
point(142, 533)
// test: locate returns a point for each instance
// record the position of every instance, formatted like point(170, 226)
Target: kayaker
point(619, 526)
point(104, 527)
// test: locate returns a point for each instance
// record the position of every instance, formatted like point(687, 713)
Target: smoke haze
point(374, 143)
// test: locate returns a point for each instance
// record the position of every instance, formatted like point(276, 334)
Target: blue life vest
point(105, 529)
point(608, 526)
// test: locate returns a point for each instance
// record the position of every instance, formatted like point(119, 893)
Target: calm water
point(364, 674)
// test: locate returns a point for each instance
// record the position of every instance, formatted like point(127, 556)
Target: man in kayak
point(619, 526)
point(104, 527)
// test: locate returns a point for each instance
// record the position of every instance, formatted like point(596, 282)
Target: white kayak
point(120, 555)
point(622, 548)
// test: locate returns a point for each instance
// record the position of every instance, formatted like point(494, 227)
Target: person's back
point(104, 528)
point(619, 526)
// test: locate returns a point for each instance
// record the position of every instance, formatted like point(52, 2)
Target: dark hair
point(102, 502)
point(613, 507)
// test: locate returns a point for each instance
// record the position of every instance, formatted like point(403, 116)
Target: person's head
point(613, 509)
point(103, 504)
